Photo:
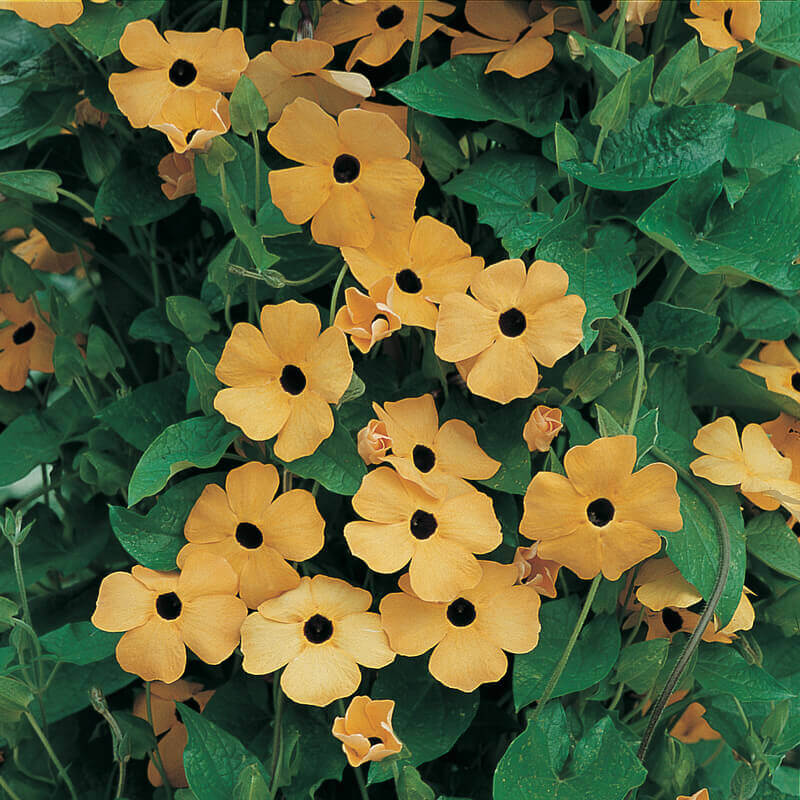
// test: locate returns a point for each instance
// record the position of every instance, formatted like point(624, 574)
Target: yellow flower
point(163, 613)
point(321, 631)
point(535, 571)
point(177, 172)
point(470, 634)
point(367, 317)
point(26, 342)
point(46, 13)
point(784, 433)
point(692, 727)
point(779, 368)
point(543, 425)
point(702, 794)
point(284, 378)
point(255, 532)
point(190, 120)
point(36, 251)
point(601, 516)
point(514, 319)
point(373, 442)
point(366, 732)
point(424, 262)
point(725, 23)
point(399, 115)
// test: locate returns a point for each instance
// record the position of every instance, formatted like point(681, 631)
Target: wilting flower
point(513, 320)
point(354, 173)
point(254, 531)
point(190, 120)
point(177, 172)
point(438, 459)
point(424, 262)
point(438, 535)
point(725, 23)
point(284, 377)
point(177, 62)
point(366, 732)
point(601, 516)
point(26, 342)
point(321, 631)
point(163, 613)
point(784, 434)
point(543, 425)
point(87, 114)
point(46, 13)
point(470, 633)
point(536, 572)
point(167, 721)
point(692, 727)
point(367, 317)
point(295, 69)
point(36, 251)
point(374, 442)
point(381, 26)
point(779, 368)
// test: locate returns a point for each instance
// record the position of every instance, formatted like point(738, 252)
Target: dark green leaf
point(40, 184)
point(410, 785)
point(438, 146)
point(721, 669)
point(248, 111)
point(759, 313)
point(667, 87)
point(710, 81)
point(15, 697)
point(204, 378)
point(771, 540)
point(683, 329)
point(100, 154)
point(611, 111)
point(640, 663)
point(102, 354)
point(761, 144)
point(590, 376)
point(190, 316)
point(68, 360)
point(80, 643)
point(99, 28)
point(17, 276)
point(779, 32)
point(501, 437)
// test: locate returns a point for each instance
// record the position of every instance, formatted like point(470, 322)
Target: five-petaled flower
point(779, 367)
point(366, 732)
point(725, 23)
point(190, 120)
point(26, 342)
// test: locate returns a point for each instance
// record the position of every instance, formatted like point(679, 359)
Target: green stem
point(617, 696)
point(619, 34)
point(639, 391)
point(223, 14)
point(586, 16)
point(671, 283)
point(257, 162)
point(277, 702)
point(362, 787)
point(414, 62)
point(562, 662)
point(90, 400)
point(8, 790)
point(51, 753)
point(155, 755)
point(79, 200)
point(335, 293)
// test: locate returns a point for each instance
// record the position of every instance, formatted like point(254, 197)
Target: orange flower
point(373, 442)
point(725, 23)
point(175, 63)
point(321, 631)
point(167, 721)
point(779, 368)
point(470, 633)
point(190, 120)
point(543, 425)
point(513, 320)
point(424, 262)
point(87, 114)
point(381, 26)
point(702, 794)
point(254, 532)
point(691, 727)
point(536, 572)
point(784, 433)
point(284, 378)
point(46, 13)
point(398, 115)
point(177, 172)
point(295, 69)
point(36, 251)
point(367, 318)
point(438, 459)
point(26, 342)
point(365, 731)
point(354, 173)
point(163, 613)
point(601, 516)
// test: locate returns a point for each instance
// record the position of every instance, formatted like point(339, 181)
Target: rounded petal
point(294, 526)
point(305, 133)
point(581, 551)
point(510, 618)
point(362, 636)
point(221, 59)
point(206, 574)
point(300, 192)
point(154, 652)
point(268, 645)
point(260, 411)
point(714, 34)
point(344, 220)
point(504, 21)
point(140, 93)
point(528, 55)
point(385, 497)
point(369, 135)
point(250, 489)
point(320, 675)
point(123, 603)
point(464, 328)
point(469, 521)
point(500, 285)
point(211, 625)
point(211, 518)
point(552, 507)
point(310, 422)
point(291, 329)
point(336, 598)
point(246, 359)
point(330, 367)
point(143, 45)
point(412, 625)
point(651, 499)
point(385, 547)
point(459, 453)
point(441, 569)
point(761, 456)
point(603, 467)
point(265, 574)
point(465, 659)
point(170, 749)
point(340, 23)
point(624, 544)
point(296, 605)
point(389, 188)
point(555, 329)
point(504, 371)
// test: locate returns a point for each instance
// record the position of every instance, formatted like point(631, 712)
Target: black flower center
point(318, 629)
point(600, 512)
point(461, 612)
point(24, 333)
point(168, 606)
point(190, 135)
point(423, 457)
point(408, 281)
point(192, 703)
point(671, 619)
point(182, 72)
point(373, 740)
point(390, 17)
point(512, 322)
point(293, 380)
point(726, 19)
point(346, 168)
point(423, 524)
point(249, 536)
point(795, 377)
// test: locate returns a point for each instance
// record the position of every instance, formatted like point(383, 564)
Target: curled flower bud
point(177, 172)
point(367, 318)
point(538, 573)
point(365, 731)
point(374, 442)
point(543, 425)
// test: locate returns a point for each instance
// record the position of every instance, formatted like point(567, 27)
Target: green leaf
point(80, 643)
point(40, 184)
point(205, 380)
point(779, 32)
point(252, 784)
point(685, 330)
point(784, 612)
point(761, 144)
point(710, 81)
point(190, 316)
point(640, 664)
point(501, 437)
point(196, 442)
point(591, 375)
point(667, 88)
point(100, 154)
point(34, 115)
point(759, 313)
point(771, 540)
point(439, 147)
point(99, 28)
point(102, 354)
point(611, 111)
point(68, 360)
point(17, 276)
point(566, 145)
point(721, 669)
point(410, 785)
point(592, 659)
point(248, 110)
point(15, 697)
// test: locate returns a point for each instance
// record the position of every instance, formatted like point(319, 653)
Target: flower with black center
point(601, 516)
point(514, 319)
point(423, 262)
point(367, 318)
point(177, 172)
point(725, 23)
point(284, 378)
point(254, 531)
point(779, 367)
point(163, 613)
point(296, 69)
point(366, 732)
point(470, 634)
point(354, 173)
point(190, 120)
point(381, 26)
point(46, 13)
point(438, 535)
point(26, 342)
point(36, 251)
point(173, 63)
point(321, 631)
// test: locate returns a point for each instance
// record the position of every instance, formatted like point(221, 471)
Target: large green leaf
point(683, 329)
point(80, 643)
point(771, 540)
point(640, 663)
point(39, 184)
point(99, 28)
point(779, 32)
point(761, 144)
point(759, 313)
point(501, 437)
point(721, 669)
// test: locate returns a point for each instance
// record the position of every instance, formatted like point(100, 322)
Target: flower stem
point(277, 702)
point(362, 787)
point(223, 14)
point(586, 18)
point(637, 395)
point(619, 34)
point(257, 177)
point(155, 755)
point(335, 293)
point(414, 62)
point(8, 790)
point(51, 753)
point(79, 200)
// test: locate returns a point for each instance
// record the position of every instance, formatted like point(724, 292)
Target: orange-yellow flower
point(602, 516)
point(439, 535)
point(514, 319)
point(46, 13)
point(284, 378)
point(424, 262)
point(779, 368)
point(469, 634)
point(190, 120)
point(354, 173)
point(701, 794)
point(367, 318)
point(692, 727)
point(373, 442)
point(535, 571)
point(163, 613)
point(172, 64)
point(366, 732)
point(87, 114)
point(784, 433)
point(543, 425)
point(254, 531)
point(725, 23)
point(321, 631)
point(399, 115)
point(177, 172)
point(166, 721)
point(296, 69)
point(26, 342)
point(381, 26)
point(36, 251)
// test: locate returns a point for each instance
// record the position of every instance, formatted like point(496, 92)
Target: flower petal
point(330, 367)
point(294, 526)
point(603, 467)
point(504, 371)
point(553, 508)
point(369, 136)
point(555, 329)
point(250, 489)
point(412, 625)
point(385, 547)
point(362, 637)
point(390, 188)
point(154, 652)
point(305, 133)
point(441, 569)
point(310, 422)
point(459, 453)
point(464, 328)
point(650, 498)
point(246, 359)
point(320, 675)
point(122, 603)
point(344, 219)
point(335, 598)
point(465, 659)
point(211, 518)
point(268, 645)
point(300, 192)
point(265, 574)
point(260, 411)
